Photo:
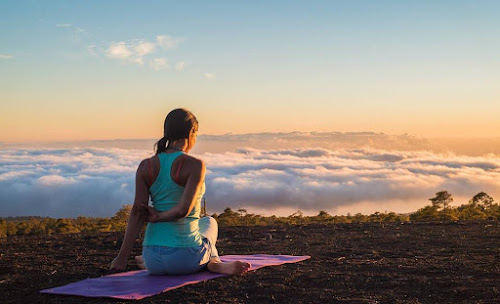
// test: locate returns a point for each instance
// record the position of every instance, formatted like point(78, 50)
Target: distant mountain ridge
point(216, 143)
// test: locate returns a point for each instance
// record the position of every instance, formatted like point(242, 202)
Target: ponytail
point(178, 125)
point(161, 145)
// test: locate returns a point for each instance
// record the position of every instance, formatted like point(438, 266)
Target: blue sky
point(391, 66)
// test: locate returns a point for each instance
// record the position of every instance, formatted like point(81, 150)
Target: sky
point(343, 106)
point(96, 70)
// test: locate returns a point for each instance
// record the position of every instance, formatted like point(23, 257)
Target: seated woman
point(177, 240)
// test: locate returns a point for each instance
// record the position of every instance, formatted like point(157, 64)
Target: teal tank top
point(165, 194)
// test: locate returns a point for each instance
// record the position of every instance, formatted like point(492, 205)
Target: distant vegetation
point(480, 207)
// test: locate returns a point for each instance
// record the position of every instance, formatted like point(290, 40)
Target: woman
point(177, 240)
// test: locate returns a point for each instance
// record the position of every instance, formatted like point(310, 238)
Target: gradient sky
point(113, 69)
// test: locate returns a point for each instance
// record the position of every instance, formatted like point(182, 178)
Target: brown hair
point(178, 124)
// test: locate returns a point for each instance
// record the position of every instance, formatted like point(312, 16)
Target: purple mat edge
point(215, 276)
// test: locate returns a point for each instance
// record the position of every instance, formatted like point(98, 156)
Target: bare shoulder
point(194, 163)
point(145, 164)
point(193, 166)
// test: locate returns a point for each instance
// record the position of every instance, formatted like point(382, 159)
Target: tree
point(323, 214)
point(203, 210)
point(120, 219)
point(3, 228)
point(65, 226)
point(228, 212)
point(11, 228)
point(228, 218)
point(297, 213)
point(482, 199)
point(442, 200)
point(471, 211)
point(84, 224)
point(103, 225)
point(427, 213)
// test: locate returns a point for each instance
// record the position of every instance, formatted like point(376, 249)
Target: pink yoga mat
point(136, 285)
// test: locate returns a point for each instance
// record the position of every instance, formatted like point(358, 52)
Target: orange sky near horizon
point(139, 123)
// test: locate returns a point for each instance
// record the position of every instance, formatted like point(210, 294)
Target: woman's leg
point(209, 229)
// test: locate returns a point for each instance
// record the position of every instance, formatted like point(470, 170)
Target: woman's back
point(166, 193)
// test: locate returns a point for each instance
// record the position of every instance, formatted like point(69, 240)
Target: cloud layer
point(96, 181)
point(66, 182)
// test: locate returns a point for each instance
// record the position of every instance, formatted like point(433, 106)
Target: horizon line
point(260, 133)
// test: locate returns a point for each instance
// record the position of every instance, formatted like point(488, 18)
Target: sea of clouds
point(73, 181)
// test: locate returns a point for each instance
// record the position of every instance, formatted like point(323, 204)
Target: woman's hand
point(118, 265)
point(152, 215)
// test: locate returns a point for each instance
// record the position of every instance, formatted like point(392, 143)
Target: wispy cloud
point(96, 182)
point(168, 42)
point(137, 51)
point(64, 25)
point(92, 50)
point(79, 34)
point(209, 75)
point(179, 66)
point(5, 56)
point(159, 64)
point(144, 48)
point(119, 50)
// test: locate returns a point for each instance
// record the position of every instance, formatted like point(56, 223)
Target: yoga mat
point(136, 285)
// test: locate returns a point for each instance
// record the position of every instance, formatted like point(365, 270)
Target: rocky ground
point(351, 263)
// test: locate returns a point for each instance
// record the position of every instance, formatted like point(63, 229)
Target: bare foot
point(231, 268)
point(140, 262)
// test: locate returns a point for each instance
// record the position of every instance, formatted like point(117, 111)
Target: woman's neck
point(178, 145)
point(175, 148)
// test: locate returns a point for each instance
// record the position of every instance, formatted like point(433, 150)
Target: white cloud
point(136, 51)
point(64, 25)
point(138, 60)
point(179, 66)
point(159, 64)
point(80, 35)
point(53, 180)
point(168, 42)
point(5, 56)
point(144, 48)
point(91, 49)
point(97, 181)
point(209, 75)
point(119, 50)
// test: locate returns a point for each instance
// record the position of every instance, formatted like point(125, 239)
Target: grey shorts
point(173, 260)
point(177, 260)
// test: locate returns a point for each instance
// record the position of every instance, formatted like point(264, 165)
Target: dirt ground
point(351, 263)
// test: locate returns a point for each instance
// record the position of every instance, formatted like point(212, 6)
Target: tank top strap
point(181, 159)
point(166, 162)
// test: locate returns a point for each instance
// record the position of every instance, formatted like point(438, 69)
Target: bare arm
point(195, 178)
point(136, 219)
